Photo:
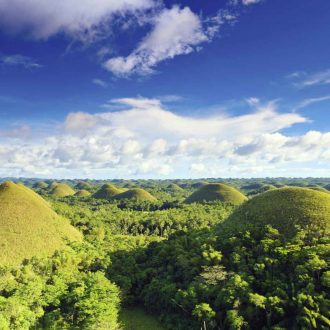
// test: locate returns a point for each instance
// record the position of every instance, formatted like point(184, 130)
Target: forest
point(165, 254)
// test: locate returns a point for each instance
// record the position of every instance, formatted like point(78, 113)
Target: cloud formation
point(250, 2)
point(19, 60)
point(144, 139)
point(76, 18)
point(175, 32)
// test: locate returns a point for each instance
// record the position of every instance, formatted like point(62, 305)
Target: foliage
point(216, 191)
point(28, 226)
point(286, 209)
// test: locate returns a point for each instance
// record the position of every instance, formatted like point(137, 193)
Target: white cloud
point(144, 139)
point(197, 167)
point(318, 78)
point(250, 2)
point(302, 79)
point(175, 32)
point(19, 60)
point(77, 18)
point(307, 102)
point(99, 82)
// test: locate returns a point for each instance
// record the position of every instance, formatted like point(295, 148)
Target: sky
point(164, 89)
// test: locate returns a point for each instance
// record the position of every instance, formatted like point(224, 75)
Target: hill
point(137, 194)
point(108, 191)
point(40, 185)
point(83, 185)
point(318, 188)
point(82, 193)
point(214, 192)
point(52, 185)
point(62, 190)
point(284, 209)
point(172, 187)
point(28, 226)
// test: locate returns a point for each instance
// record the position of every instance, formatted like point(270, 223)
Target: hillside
point(28, 226)
point(83, 185)
point(216, 192)
point(62, 190)
point(108, 191)
point(82, 193)
point(284, 209)
point(136, 194)
point(40, 185)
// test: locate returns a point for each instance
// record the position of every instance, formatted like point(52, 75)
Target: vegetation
point(216, 191)
point(160, 263)
point(137, 319)
point(136, 194)
point(62, 190)
point(82, 193)
point(107, 191)
point(28, 226)
point(287, 210)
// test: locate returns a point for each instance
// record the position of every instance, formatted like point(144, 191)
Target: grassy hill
point(82, 193)
point(52, 185)
point(108, 191)
point(40, 185)
point(83, 185)
point(284, 209)
point(174, 188)
point(318, 188)
point(214, 192)
point(62, 190)
point(28, 226)
point(137, 194)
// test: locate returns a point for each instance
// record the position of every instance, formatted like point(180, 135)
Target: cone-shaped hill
point(172, 187)
point(216, 192)
point(108, 191)
point(62, 190)
point(83, 185)
point(40, 185)
point(136, 194)
point(82, 193)
point(284, 209)
point(28, 226)
point(52, 185)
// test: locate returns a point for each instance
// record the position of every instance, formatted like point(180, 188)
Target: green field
point(138, 319)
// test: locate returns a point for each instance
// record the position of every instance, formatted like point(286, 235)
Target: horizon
point(164, 90)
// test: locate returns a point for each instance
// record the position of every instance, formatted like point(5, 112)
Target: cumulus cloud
point(176, 31)
point(19, 60)
point(145, 139)
point(77, 18)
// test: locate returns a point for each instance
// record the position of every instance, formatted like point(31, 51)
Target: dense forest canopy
point(146, 256)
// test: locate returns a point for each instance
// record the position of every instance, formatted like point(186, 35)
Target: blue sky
point(162, 89)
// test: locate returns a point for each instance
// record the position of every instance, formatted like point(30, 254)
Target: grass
point(82, 185)
point(28, 226)
point(62, 190)
point(82, 193)
point(138, 319)
point(40, 185)
point(216, 192)
point(136, 194)
point(284, 209)
point(108, 191)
